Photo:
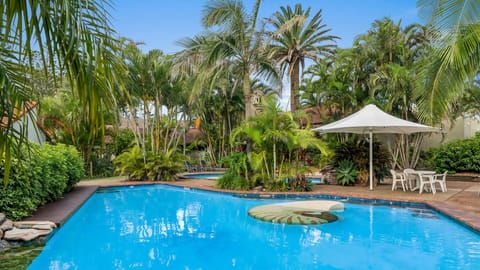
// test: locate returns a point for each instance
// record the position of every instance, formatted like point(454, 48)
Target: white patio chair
point(426, 182)
point(410, 175)
point(397, 177)
point(440, 179)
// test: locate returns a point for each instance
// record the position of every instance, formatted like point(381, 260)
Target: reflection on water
point(186, 221)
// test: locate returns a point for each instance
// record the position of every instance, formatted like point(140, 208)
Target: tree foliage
point(295, 39)
point(274, 145)
point(454, 59)
point(70, 36)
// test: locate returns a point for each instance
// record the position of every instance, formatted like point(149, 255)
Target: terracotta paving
point(461, 201)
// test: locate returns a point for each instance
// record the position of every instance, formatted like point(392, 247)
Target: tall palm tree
point(295, 39)
point(236, 42)
point(455, 58)
point(71, 36)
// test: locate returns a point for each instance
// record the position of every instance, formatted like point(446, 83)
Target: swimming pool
point(162, 227)
point(315, 179)
point(202, 175)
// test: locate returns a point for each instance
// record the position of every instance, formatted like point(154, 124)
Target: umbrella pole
point(371, 161)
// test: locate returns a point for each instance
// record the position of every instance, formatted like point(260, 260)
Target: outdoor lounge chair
point(190, 167)
point(398, 177)
point(204, 166)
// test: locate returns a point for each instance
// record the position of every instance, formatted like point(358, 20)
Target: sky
point(161, 23)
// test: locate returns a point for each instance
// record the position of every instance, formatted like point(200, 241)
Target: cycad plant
point(357, 150)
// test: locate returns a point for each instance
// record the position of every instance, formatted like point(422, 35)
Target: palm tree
point(153, 90)
point(237, 43)
point(295, 40)
point(276, 139)
point(330, 85)
point(455, 58)
point(71, 36)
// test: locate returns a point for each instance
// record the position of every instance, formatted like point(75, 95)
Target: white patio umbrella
point(371, 120)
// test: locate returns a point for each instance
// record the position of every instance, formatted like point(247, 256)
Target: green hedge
point(51, 170)
point(457, 156)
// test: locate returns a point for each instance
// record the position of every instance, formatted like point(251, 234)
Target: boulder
point(16, 234)
point(1, 234)
point(42, 227)
point(6, 225)
point(4, 245)
point(33, 224)
point(2, 218)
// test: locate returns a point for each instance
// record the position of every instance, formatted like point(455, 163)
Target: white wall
point(28, 125)
point(462, 128)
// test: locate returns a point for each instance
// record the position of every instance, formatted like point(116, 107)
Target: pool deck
point(461, 201)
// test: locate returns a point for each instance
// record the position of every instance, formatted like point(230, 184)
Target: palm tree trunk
point(247, 95)
point(294, 85)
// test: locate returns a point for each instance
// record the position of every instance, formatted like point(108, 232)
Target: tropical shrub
point(102, 166)
point(73, 163)
point(23, 192)
point(236, 176)
point(346, 173)
point(131, 163)
point(278, 185)
point(102, 157)
point(293, 179)
point(161, 166)
point(276, 147)
point(164, 167)
point(230, 180)
point(300, 183)
point(51, 171)
point(121, 140)
point(457, 156)
point(357, 150)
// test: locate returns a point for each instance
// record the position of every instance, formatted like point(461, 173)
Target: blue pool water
point(315, 180)
point(161, 227)
point(203, 175)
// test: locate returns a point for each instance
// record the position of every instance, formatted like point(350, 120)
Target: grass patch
point(19, 258)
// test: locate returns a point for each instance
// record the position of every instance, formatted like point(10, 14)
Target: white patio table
point(421, 173)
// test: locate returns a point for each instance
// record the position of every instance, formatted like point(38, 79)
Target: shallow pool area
point(315, 179)
point(162, 227)
point(201, 175)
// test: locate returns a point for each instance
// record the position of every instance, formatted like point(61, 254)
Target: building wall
point(463, 128)
point(28, 125)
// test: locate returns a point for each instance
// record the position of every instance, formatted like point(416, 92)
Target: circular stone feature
point(301, 212)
